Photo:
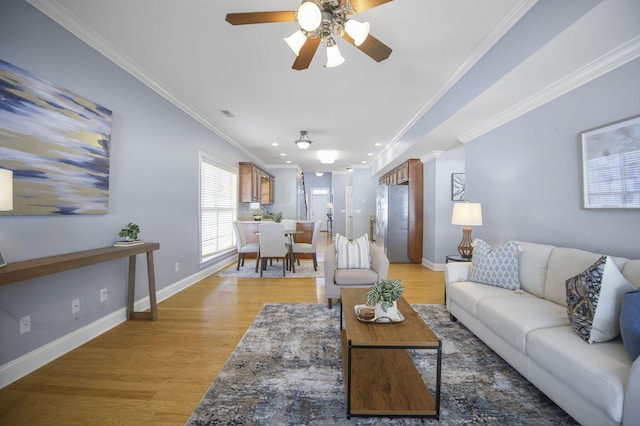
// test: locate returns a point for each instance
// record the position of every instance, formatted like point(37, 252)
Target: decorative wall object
point(457, 186)
point(56, 143)
point(611, 165)
point(3, 262)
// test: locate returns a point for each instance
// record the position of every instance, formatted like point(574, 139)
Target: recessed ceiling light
point(274, 144)
point(327, 157)
point(288, 161)
point(377, 144)
point(364, 161)
point(370, 154)
point(283, 155)
point(319, 174)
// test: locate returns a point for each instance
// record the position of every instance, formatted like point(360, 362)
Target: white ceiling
point(188, 53)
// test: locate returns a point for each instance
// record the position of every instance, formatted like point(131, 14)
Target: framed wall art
point(56, 143)
point(457, 186)
point(611, 165)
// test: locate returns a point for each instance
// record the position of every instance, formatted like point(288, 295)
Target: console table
point(34, 268)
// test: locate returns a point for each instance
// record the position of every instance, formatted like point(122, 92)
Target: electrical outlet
point(104, 295)
point(25, 324)
point(75, 306)
point(177, 266)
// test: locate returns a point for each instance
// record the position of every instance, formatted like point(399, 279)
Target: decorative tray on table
point(366, 313)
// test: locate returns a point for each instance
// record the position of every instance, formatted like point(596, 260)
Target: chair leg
point(298, 258)
point(284, 260)
point(264, 265)
point(330, 302)
point(315, 262)
point(239, 258)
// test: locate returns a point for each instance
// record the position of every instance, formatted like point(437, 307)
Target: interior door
point(319, 200)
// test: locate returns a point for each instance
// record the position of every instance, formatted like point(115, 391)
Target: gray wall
point(154, 182)
point(527, 173)
point(364, 200)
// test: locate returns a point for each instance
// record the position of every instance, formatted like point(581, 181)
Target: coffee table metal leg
point(438, 379)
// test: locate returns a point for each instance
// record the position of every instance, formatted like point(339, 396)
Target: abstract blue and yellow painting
point(57, 144)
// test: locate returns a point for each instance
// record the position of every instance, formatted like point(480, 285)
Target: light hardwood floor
point(155, 372)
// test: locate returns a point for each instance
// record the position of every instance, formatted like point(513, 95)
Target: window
point(218, 208)
point(611, 165)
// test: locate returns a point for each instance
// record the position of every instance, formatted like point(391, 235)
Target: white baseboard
point(27, 363)
point(438, 267)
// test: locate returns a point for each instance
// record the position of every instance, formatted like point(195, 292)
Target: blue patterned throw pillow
point(495, 266)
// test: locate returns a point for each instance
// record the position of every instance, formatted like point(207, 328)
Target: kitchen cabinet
point(256, 185)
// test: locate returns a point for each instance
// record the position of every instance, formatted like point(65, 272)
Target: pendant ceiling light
point(303, 141)
point(323, 21)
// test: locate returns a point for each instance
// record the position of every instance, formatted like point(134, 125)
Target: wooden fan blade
point(377, 50)
point(260, 17)
point(362, 5)
point(306, 54)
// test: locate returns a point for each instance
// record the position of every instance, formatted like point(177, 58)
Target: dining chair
point(272, 245)
point(308, 248)
point(243, 246)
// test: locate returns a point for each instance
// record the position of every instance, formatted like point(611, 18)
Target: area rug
point(304, 270)
point(287, 370)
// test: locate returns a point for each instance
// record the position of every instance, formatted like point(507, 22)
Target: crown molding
point(608, 62)
point(67, 20)
point(498, 32)
point(431, 156)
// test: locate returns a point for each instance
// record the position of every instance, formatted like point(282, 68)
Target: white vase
point(391, 314)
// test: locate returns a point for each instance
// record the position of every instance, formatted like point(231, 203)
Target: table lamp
point(6, 190)
point(466, 214)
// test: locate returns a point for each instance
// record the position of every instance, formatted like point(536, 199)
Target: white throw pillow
point(594, 300)
point(497, 267)
point(352, 254)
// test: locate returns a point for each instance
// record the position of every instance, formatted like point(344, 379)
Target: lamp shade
point(6, 190)
point(309, 16)
point(357, 30)
point(467, 214)
point(296, 41)
point(334, 58)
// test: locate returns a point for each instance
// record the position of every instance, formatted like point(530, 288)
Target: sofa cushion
point(352, 254)
point(512, 318)
point(565, 263)
point(495, 266)
point(533, 260)
point(630, 323)
point(594, 298)
point(355, 276)
point(468, 294)
point(596, 372)
point(631, 271)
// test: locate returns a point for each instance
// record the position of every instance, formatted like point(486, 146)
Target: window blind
point(614, 180)
point(218, 208)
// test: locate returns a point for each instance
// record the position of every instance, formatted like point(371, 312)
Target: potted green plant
point(130, 232)
point(384, 296)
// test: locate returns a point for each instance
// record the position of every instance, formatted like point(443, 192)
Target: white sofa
point(598, 383)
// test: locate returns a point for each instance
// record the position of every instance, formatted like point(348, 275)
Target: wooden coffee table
point(379, 376)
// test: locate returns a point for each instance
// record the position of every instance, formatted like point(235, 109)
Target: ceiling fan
point(319, 21)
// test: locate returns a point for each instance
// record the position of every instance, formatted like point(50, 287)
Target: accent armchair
point(335, 279)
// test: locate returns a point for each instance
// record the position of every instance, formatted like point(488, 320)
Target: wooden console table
point(34, 268)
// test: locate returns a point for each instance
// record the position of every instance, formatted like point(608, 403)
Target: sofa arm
point(631, 412)
point(379, 261)
point(456, 271)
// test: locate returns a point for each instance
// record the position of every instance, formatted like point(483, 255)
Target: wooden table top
point(412, 332)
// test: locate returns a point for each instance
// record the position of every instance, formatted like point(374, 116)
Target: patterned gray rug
point(287, 370)
point(304, 270)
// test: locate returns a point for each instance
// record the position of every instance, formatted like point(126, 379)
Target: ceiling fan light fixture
point(309, 16)
point(357, 30)
point(296, 41)
point(303, 142)
point(334, 58)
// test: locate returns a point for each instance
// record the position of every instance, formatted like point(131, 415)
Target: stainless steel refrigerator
point(392, 222)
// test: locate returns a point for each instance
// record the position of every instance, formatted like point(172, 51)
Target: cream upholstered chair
point(243, 246)
point(335, 279)
point(308, 248)
point(272, 244)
